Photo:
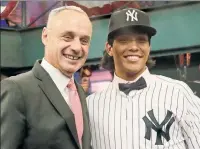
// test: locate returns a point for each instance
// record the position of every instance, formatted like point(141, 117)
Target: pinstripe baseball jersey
point(163, 115)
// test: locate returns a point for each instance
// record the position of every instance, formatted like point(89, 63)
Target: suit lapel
point(86, 133)
point(53, 94)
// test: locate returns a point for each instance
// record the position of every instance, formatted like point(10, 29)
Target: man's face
point(67, 40)
point(130, 53)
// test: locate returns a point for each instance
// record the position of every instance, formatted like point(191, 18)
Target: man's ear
point(109, 49)
point(44, 35)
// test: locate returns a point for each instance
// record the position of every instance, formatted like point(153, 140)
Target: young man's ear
point(149, 49)
point(108, 48)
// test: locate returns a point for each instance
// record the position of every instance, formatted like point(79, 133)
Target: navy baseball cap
point(129, 20)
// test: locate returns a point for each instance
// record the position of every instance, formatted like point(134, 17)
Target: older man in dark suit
point(45, 108)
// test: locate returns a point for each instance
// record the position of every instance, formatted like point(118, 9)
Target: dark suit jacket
point(34, 115)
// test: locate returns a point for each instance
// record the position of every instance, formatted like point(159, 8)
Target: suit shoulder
point(8, 85)
point(23, 79)
point(14, 84)
point(182, 86)
point(11, 95)
point(26, 82)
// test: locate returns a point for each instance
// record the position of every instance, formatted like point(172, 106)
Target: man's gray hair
point(55, 11)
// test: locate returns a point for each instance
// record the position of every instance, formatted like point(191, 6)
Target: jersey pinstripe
point(120, 121)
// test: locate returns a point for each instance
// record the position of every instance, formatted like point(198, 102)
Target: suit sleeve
point(12, 116)
point(191, 122)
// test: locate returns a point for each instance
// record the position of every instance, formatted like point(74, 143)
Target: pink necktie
point(76, 109)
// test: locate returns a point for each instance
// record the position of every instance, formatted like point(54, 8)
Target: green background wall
point(11, 52)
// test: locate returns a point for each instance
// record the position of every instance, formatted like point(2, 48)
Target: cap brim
point(128, 29)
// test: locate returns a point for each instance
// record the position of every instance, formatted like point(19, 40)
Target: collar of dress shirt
point(146, 75)
point(59, 78)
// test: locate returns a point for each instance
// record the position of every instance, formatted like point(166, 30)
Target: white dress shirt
point(136, 120)
point(58, 78)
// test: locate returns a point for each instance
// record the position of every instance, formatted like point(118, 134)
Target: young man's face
point(130, 53)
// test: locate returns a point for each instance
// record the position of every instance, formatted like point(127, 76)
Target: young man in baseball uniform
point(140, 110)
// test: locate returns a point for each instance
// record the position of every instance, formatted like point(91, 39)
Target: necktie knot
point(139, 84)
point(71, 85)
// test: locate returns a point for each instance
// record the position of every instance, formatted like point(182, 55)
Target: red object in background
point(105, 9)
point(31, 20)
point(181, 60)
point(94, 11)
point(188, 57)
point(9, 8)
point(184, 58)
point(118, 4)
point(134, 5)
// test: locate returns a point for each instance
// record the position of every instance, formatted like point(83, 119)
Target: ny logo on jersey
point(132, 15)
point(154, 124)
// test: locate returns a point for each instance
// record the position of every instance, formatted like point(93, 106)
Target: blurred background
point(175, 48)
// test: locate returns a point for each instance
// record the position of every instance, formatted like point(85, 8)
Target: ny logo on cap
point(132, 15)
